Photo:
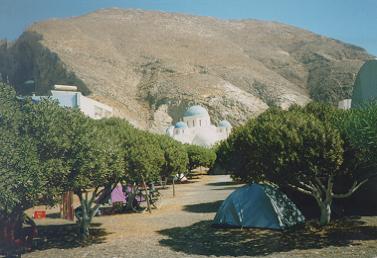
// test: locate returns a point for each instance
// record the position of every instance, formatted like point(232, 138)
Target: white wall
point(345, 104)
point(93, 108)
point(199, 121)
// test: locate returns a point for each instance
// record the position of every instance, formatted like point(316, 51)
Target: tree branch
point(301, 189)
point(323, 188)
point(317, 194)
point(310, 187)
point(105, 191)
point(94, 194)
point(354, 187)
point(314, 192)
point(330, 184)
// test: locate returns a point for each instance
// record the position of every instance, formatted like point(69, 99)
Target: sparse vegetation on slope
point(151, 65)
point(30, 67)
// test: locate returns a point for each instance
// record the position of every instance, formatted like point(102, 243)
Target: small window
point(200, 122)
point(193, 122)
point(98, 112)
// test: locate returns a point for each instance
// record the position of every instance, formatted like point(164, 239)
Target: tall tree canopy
point(175, 156)
point(23, 181)
point(299, 148)
point(82, 153)
point(200, 157)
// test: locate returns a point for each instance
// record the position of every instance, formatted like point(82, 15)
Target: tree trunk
point(146, 195)
point(11, 232)
point(130, 198)
point(173, 186)
point(162, 182)
point(325, 213)
point(165, 182)
point(68, 211)
point(84, 228)
point(327, 201)
point(86, 217)
point(84, 223)
point(89, 208)
point(12, 229)
point(323, 194)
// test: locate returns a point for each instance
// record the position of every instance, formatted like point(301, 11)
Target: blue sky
point(352, 21)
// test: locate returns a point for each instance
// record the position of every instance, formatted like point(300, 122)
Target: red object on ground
point(39, 214)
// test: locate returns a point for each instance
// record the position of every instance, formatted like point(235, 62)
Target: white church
point(196, 128)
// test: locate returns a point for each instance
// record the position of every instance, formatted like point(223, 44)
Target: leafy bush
point(176, 157)
point(23, 178)
point(200, 157)
point(307, 149)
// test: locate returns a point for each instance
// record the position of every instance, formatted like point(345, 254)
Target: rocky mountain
point(152, 65)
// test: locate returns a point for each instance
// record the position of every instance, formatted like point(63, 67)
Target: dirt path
point(182, 228)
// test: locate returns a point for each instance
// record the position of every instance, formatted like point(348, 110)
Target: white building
point(68, 96)
point(196, 128)
point(345, 104)
point(364, 88)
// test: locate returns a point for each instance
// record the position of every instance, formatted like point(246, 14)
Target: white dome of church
point(181, 125)
point(196, 128)
point(196, 111)
point(225, 124)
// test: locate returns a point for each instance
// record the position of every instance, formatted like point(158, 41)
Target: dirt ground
point(181, 227)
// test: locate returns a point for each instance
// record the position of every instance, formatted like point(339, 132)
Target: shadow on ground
point(227, 183)
point(63, 236)
point(203, 207)
point(55, 215)
point(202, 239)
point(66, 236)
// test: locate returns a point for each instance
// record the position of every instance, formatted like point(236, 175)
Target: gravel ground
point(181, 227)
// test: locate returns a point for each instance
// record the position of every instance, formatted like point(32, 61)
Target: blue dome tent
point(258, 206)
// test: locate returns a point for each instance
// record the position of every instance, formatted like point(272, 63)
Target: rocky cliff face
point(152, 65)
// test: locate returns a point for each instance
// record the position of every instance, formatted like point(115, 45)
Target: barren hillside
point(151, 65)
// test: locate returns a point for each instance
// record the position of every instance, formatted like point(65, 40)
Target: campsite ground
point(181, 227)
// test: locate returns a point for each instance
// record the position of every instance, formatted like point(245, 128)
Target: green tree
point(175, 157)
point(97, 166)
point(23, 181)
point(10, 114)
point(144, 158)
point(144, 161)
point(359, 127)
point(50, 127)
point(355, 157)
point(230, 155)
point(200, 157)
point(290, 148)
point(83, 157)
